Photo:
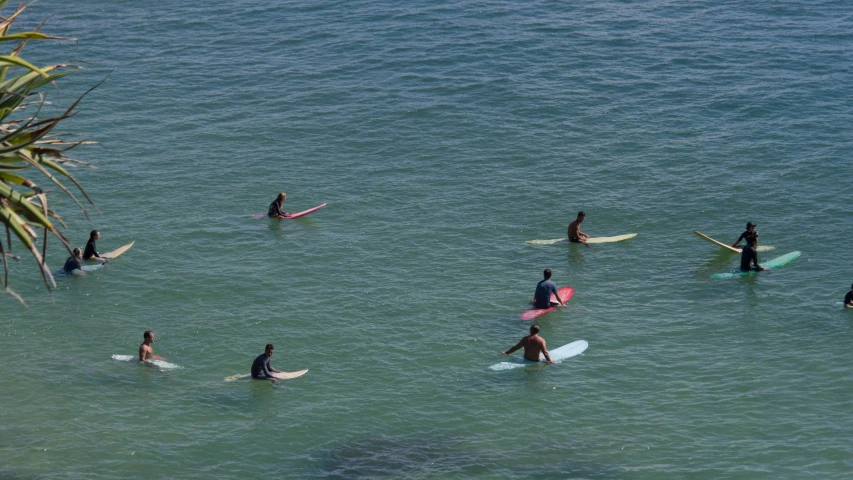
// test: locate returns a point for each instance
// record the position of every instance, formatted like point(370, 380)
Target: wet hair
point(269, 347)
point(534, 329)
point(76, 251)
point(281, 196)
point(92, 234)
point(147, 334)
point(547, 273)
point(851, 287)
point(581, 214)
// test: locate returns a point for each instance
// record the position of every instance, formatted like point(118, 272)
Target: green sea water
point(443, 136)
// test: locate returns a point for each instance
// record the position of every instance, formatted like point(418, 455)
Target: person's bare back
point(534, 346)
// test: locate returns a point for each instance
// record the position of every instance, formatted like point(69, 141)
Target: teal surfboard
point(769, 264)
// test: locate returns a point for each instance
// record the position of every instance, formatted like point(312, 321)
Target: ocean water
point(443, 135)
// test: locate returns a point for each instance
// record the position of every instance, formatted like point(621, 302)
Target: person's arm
point(556, 294)
point(512, 349)
point(142, 353)
point(545, 352)
point(268, 370)
point(734, 245)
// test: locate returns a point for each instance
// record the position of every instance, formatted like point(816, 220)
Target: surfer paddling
point(145, 350)
point(533, 345)
point(749, 254)
point(261, 368)
point(544, 289)
point(848, 299)
point(74, 261)
point(575, 233)
point(91, 252)
point(275, 210)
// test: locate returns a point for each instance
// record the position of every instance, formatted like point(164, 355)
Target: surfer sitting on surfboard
point(533, 344)
point(275, 210)
point(848, 299)
point(145, 350)
point(261, 368)
point(73, 262)
point(575, 233)
point(91, 252)
point(544, 289)
point(749, 255)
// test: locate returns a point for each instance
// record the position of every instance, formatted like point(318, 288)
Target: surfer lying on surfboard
point(275, 210)
point(145, 350)
point(749, 255)
point(261, 368)
point(533, 344)
point(544, 289)
point(575, 233)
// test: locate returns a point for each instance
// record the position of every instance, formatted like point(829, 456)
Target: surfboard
point(761, 248)
point(591, 240)
point(566, 351)
point(531, 313)
point(278, 375)
point(135, 359)
point(115, 253)
point(769, 264)
point(292, 215)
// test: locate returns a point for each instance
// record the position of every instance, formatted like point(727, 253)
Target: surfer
point(533, 345)
point(275, 210)
point(145, 350)
point(575, 233)
point(91, 252)
point(74, 261)
point(261, 368)
point(544, 289)
point(749, 255)
point(848, 299)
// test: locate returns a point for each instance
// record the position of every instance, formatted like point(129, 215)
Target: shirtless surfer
point(91, 252)
point(749, 254)
point(533, 345)
point(544, 289)
point(261, 368)
point(275, 210)
point(145, 350)
point(848, 299)
point(575, 233)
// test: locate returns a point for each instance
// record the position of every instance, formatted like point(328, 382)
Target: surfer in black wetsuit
point(276, 210)
point(749, 255)
point(91, 252)
point(261, 368)
point(74, 262)
point(848, 299)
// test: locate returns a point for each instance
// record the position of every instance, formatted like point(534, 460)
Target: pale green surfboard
point(591, 240)
point(769, 264)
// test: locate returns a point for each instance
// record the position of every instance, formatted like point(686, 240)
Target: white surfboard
point(278, 375)
point(557, 355)
point(135, 359)
point(591, 240)
point(119, 251)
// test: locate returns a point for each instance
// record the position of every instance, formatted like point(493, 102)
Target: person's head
point(77, 252)
point(851, 287)
point(547, 273)
point(148, 336)
point(268, 350)
point(581, 216)
point(281, 197)
point(750, 226)
point(534, 329)
point(94, 235)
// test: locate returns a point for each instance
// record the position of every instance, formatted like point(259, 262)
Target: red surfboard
point(292, 215)
point(565, 294)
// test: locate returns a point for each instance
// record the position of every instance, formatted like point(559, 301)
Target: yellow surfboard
point(720, 244)
point(117, 252)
